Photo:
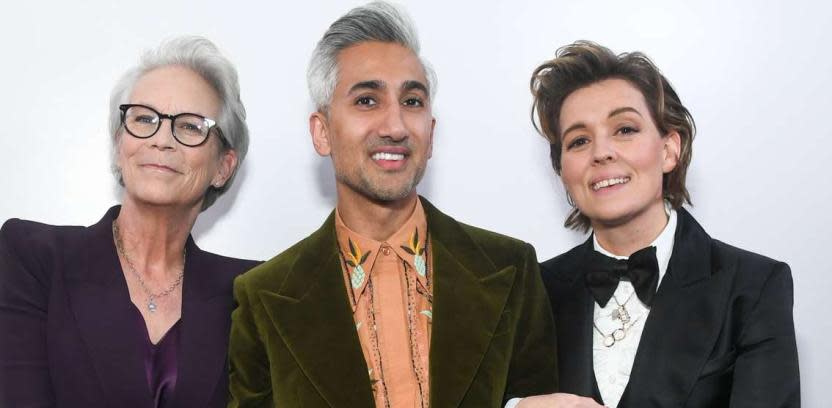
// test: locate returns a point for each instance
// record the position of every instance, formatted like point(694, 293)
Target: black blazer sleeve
point(24, 289)
point(766, 369)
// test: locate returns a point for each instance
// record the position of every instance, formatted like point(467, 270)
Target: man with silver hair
point(391, 303)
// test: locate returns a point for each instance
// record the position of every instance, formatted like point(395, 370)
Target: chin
point(617, 214)
point(393, 193)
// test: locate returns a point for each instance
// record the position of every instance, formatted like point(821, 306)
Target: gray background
point(756, 76)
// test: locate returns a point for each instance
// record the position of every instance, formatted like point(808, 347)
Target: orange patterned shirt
point(389, 287)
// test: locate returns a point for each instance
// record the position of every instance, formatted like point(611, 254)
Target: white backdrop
point(757, 77)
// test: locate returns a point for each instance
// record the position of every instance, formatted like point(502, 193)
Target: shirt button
point(385, 251)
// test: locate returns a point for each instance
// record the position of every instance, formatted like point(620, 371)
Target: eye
point(366, 101)
point(413, 102)
point(577, 142)
point(149, 119)
point(189, 126)
point(627, 130)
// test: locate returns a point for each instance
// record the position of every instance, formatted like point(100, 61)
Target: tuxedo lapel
point(683, 324)
point(312, 314)
point(99, 300)
point(469, 297)
point(574, 327)
point(205, 319)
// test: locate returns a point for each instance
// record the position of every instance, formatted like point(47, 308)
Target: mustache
point(385, 142)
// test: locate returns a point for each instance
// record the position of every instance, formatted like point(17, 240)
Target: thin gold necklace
point(151, 297)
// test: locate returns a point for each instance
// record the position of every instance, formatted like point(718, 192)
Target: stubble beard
point(363, 184)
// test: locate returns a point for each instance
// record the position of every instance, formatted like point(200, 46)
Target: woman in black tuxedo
point(130, 312)
point(651, 311)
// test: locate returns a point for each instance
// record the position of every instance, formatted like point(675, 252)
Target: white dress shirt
point(613, 364)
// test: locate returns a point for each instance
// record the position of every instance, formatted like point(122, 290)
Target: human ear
point(228, 162)
point(430, 142)
point(671, 151)
point(319, 130)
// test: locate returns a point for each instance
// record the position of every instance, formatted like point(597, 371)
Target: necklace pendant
point(151, 306)
point(609, 340)
point(618, 334)
point(623, 314)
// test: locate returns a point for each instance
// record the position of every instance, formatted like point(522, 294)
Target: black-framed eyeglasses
point(188, 129)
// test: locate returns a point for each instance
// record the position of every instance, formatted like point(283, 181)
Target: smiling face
point(378, 128)
point(613, 156)
point(160, 171)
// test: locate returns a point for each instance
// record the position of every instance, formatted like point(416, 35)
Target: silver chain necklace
point(151, 297)
point(623, 316)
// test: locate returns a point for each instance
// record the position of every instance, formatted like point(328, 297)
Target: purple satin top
point(160, 362)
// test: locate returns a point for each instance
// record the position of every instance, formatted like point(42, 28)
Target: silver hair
point(203, 57)
point(376, 21)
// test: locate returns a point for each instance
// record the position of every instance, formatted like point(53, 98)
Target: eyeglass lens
point(188, 129)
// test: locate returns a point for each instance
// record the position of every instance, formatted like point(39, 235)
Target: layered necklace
point(151, 296)
point(622, 315)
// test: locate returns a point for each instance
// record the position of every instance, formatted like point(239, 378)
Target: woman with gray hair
point(130, 312)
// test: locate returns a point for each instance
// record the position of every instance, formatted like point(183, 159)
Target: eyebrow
point(414, 85)
point(375, 84)
point(617, 111)
point(372, 84)
point(622, 110)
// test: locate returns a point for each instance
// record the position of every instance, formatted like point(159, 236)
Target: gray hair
point(203, 57)
point(376, 21)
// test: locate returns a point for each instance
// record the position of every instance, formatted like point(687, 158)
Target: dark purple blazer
point(63, 341)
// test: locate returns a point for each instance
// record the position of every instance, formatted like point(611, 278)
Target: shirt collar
point(409, 243)
point(663, 243)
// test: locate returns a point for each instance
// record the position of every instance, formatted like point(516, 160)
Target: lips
point(159, 167)
point(609, 182)
point(390, 157)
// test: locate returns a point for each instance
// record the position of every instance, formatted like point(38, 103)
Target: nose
point(393, 125)
point(163, 139)
point(603, 150)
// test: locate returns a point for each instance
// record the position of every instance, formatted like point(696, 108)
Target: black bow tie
point(641, 269)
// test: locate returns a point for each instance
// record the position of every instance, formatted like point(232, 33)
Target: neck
point(374, 219)
point(623, 239)
point(154, 237)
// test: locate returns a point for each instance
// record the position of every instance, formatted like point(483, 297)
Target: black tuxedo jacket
point(63, 342)
point(719, 334)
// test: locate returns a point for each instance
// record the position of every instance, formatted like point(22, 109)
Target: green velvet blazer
point(294, 344)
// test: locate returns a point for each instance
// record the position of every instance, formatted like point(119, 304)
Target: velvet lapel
point(469, 297)
point(206, 311)
point(683, 324)
point(312, 314)
point(99, 300)
point(574, 325)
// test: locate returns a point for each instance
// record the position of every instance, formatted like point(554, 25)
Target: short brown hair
point(584, 63)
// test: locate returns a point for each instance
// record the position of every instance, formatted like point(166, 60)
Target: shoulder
point(272, 273)
point(564, 265)
point(751, 271)
point(30, 252)
point(30, 238)
point(501, 249)
point(495, 243)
